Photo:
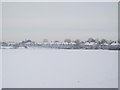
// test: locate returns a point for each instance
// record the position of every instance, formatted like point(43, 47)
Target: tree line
point(66, 44)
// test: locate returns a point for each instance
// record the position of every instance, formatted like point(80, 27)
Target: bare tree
point(45, 40)
point(91, 40)
point(119, 41)
point(97, 41)
point(15, 46)
point(4, 44)
point(67, 40)
point(103, 41)
point(77, 42)
point(110, 42)
point(56, 41)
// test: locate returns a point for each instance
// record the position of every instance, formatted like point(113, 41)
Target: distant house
point(88, 45)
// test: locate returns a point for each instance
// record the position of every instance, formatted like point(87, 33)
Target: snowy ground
point(46, 68)
point(0, 69)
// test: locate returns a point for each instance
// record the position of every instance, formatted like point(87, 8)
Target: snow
point(91, 43)
point(115, 44)
point(105, 44)
point(57, 68)
point(0, 69)
point(6, 47)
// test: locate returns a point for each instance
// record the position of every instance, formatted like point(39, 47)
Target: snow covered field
point(57, 68)
point(0, 69)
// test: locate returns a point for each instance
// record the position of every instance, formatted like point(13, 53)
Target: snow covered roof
point(65, 43)
point(91, 43)
point(28, 43)
point(57, 43)
point(115, 44)
point(105, 44)
point(73, 43)
point(45, 43)
point(6, 47)
point(51, 42)
point(39, 43)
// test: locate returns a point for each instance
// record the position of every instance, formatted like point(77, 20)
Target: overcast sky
point(0, 21)
point(57, 21)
